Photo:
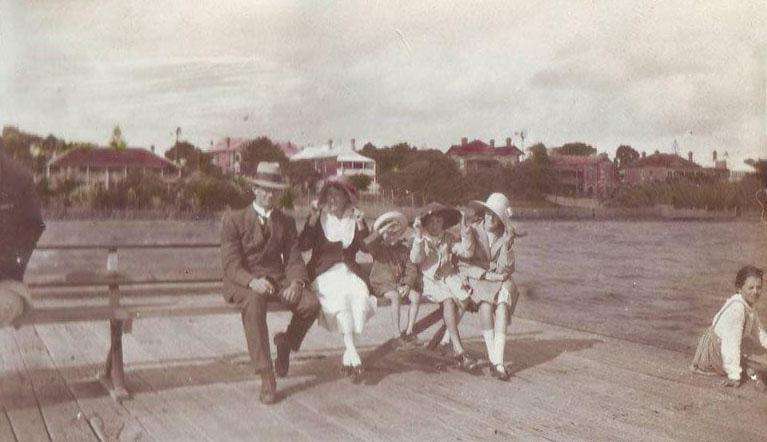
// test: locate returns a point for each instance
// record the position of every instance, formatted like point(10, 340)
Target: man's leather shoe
point(268, 394)
point(282, 363)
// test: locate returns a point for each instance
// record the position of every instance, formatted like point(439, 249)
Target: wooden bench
point(128, 299)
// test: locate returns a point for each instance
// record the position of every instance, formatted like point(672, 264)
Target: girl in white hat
point(489, 274)
point(393, 276)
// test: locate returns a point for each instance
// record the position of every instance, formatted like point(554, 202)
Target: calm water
point(653, 282)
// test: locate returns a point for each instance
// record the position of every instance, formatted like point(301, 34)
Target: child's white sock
point(489, 343)
point(445, 338)
point(499, 347)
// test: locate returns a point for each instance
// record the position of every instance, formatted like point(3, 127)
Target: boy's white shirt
point(731, 324)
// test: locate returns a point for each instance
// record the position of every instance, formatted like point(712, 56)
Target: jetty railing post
point(114, 373)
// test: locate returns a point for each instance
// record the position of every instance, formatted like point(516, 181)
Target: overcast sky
point(605, 73)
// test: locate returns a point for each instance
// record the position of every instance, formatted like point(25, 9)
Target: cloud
point(425, 72)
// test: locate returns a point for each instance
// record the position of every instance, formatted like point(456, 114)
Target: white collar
point(338, 229)
point(261, 211)
point(739, 297)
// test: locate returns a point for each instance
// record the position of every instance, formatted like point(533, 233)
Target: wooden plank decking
point(191, 380)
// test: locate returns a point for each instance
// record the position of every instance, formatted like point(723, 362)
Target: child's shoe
point(445, 349)
point(758, 379)
point(408, 342)
point(466, 361)
point(499, 372)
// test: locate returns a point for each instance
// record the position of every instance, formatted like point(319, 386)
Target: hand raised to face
point(418, 228)
point(314, 211)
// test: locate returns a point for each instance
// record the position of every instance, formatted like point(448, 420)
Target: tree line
point(404, 172)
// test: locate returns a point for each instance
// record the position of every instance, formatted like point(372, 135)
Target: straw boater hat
point(13, 296)
point(268, 175)
point(498, 204)
point(342, 182)
point(388, 217)
point(451, 215)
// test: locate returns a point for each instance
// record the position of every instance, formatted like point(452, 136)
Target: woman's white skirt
point(345, 300)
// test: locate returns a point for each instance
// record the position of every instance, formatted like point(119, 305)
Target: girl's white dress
point(434, 258)
point(344, 297)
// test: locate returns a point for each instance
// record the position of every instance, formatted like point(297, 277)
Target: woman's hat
point(388, 217)
point(342, 182)
point(498, 204)
point(13, 296)
point(268, 175)
point(452, 216)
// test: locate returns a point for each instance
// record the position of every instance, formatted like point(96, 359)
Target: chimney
point(644, 154)
point(228, 141)
point(464, 141)
point(354, 142)
point(152, 148)
point(492, 142)
point(714, 156)
point(689, 156)
point(330, 143)
point(508, 141)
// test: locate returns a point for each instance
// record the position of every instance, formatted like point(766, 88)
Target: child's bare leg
point(415, 303)
point(446, 337)
point(393, 296)
point(450, 315)
point(486, 321)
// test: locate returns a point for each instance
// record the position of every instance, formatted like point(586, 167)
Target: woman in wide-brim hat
point(433, 251)
point(489, 274)
point(334, 233)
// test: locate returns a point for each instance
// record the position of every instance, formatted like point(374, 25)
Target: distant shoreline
point(657, 213)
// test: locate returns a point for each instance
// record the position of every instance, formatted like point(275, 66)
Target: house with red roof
point(227, 153)
point(106, 165)
point(477, 155)
point(663, 167)
point(589, 176)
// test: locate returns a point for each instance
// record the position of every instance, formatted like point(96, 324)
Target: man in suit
point(261, 263)
point(21, 225)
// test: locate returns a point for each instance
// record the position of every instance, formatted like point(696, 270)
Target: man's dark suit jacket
point(247, 254)
point(21, 223)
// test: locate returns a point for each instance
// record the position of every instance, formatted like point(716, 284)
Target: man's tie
point(264, 221)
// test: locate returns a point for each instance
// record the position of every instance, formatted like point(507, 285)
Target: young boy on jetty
point(393, 276)
point(719, 349)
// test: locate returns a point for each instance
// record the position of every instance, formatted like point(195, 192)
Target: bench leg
point(113, 377)
point(422, 324)
point(435, 340)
